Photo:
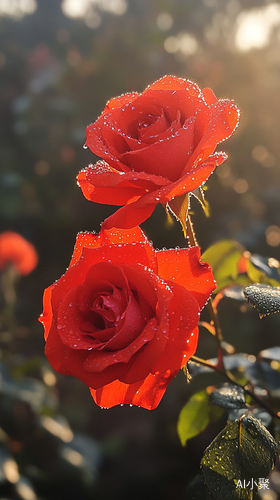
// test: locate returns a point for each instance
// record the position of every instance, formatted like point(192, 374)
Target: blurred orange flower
point(16, 250)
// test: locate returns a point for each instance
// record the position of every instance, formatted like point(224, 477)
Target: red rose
point(123, 318)
point(156, 145)
point(14, 249)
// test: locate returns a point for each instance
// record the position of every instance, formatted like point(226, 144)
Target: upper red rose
point(157, 145)
point(123, 318)
point(14, 249)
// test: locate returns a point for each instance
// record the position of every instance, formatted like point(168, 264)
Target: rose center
point(107, 311)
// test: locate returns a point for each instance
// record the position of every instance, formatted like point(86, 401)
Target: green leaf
point(194, 417)
point(244, 450)
point(223, 257)
point(215, 413)
point(265, 298)
point(230, 397)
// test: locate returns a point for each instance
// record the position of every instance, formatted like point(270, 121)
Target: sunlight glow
point(17, 8)
point(254, 27)
point(82, 8)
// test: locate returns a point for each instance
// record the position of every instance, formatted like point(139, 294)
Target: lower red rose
point(123, 318)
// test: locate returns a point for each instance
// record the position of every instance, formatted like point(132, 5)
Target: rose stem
point(213, 311)
point(227, 374)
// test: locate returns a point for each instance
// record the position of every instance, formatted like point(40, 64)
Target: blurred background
point(60, 61)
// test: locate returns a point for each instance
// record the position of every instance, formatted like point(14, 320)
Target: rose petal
point(185, 268)
point(128, 119)
point(100, 186)
point(129, 216)
point(137, 212)
point(47, 315)
point(84, 240)
point(132, 236)
point(149, 355)
point(107, 185)
point(99, 361)
point(142, 252)
point(158, 127)
point(146, 393)
point(223, 119)
point(175, 93)
point(171, 83)
point(69, 361)
point(118, 102)
point(209, 96)
point(184, 314)
point(167, 157)
point(144, 282)
point(131, 326)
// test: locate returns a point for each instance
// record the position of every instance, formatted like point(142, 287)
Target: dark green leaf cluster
point(240, 455)
point(243, 453)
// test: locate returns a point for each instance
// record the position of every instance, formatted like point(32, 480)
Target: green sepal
point(199, 195)
point(179, 207)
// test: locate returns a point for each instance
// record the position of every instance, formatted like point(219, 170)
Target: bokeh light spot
point(272, 235)
point(164, 21)
point(72, 456)
point(223, 171)
point(25, 490)
point(240, 186)
point(261, 154)
point(171, 44)
point(184, 42)
point(10, 469)
point(92, 19)
point(82, 8)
